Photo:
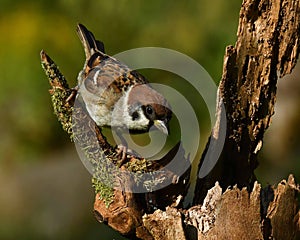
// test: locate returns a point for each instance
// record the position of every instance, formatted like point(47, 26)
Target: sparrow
point(116, 96)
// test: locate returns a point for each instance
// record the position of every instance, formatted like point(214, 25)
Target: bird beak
point(161, 126)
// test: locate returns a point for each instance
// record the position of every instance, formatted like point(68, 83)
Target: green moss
point(105, 192)
point(59, 93)
point(63, 113)
point(99, 157)
point(81, 130)
point(138, 165)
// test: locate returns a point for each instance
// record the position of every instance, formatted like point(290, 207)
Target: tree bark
point(267, 45)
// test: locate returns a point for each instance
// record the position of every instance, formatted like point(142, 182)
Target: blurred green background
point(45, 191)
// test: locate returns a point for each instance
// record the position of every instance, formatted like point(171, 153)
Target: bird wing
point(102, 75)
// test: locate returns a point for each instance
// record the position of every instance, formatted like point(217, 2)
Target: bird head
point(146, 108)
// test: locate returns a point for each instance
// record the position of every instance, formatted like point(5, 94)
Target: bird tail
point(90, 44)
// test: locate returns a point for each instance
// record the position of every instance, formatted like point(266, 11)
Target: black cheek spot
point(135, 115)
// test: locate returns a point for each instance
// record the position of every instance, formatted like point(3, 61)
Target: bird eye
point(149, 110)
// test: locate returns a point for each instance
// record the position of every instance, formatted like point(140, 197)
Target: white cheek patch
point(140, 123)
point(122, 118)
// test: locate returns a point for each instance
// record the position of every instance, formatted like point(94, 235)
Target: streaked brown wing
point(110, 73)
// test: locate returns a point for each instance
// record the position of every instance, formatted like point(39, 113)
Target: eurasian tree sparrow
point(115, 95)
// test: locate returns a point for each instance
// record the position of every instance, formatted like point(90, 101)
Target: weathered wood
point(234, 215)
point(165, 225)
point(267, 44)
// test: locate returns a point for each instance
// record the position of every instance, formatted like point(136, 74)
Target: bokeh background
point(45, 191)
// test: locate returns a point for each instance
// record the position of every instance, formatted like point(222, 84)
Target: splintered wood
point(234, 215)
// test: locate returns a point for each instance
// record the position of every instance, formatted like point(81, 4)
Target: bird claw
point(124, 153)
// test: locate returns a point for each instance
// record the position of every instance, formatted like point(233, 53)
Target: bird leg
point(123, 151)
